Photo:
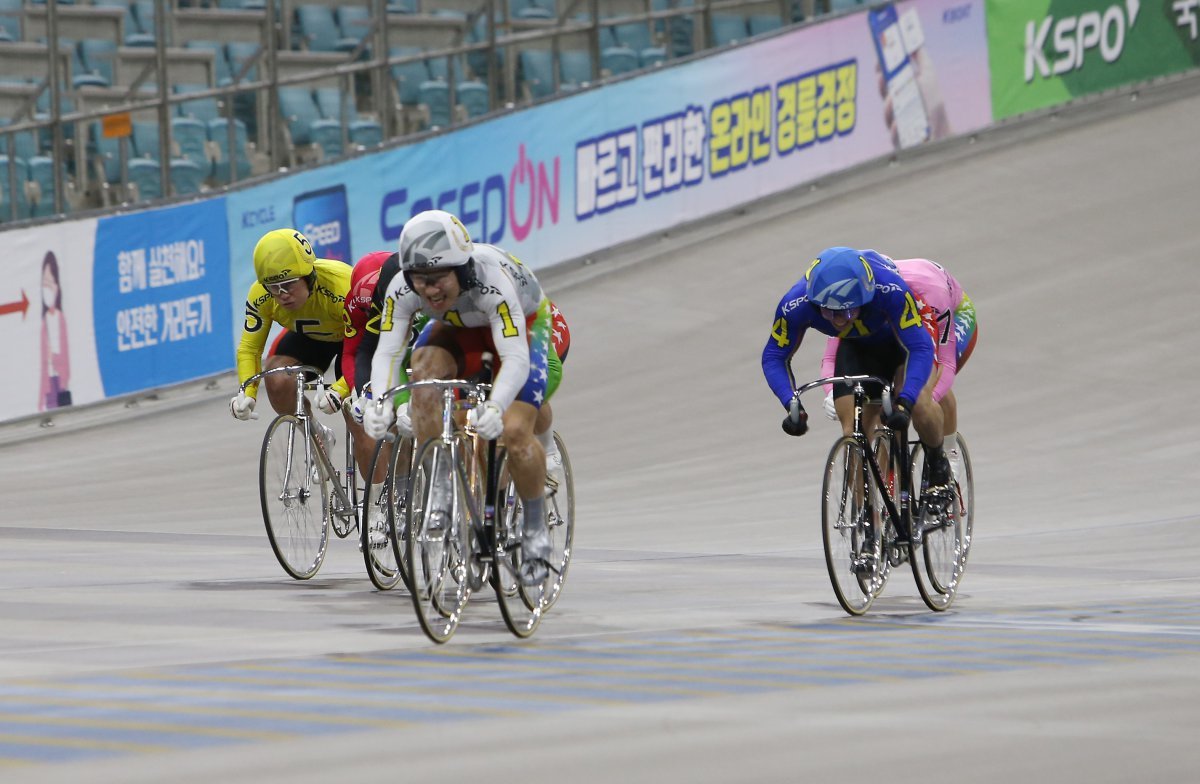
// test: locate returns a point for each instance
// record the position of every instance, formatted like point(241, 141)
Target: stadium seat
point(218, 137)
point(763, 23)
point(574, 68)
point(327, 135)
point(22, 201)
point(202, 109)
point(635, 35)
point(143, 13)
point(366, 133)
point(187, 177)
point(335, 104)
point(41, 173)
point(354, 22)
point(317, 28)
point(189, 138)
point(616, 60)
point(536, 75)
point(651, 56)
point(145, 179)
point(435, 97)
point(728, 28)
point(473, 97)
point(98, 56)
point(409, 76)
point(299, 110)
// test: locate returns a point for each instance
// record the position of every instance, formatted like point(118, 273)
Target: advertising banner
point(46, 319)
point(1046, 52)
point(584, 173)
point(161, 296)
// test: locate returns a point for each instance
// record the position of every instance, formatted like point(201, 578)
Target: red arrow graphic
point(13, 307)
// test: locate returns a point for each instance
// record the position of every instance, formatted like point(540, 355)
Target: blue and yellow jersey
point(320, 318)
point(891, 315)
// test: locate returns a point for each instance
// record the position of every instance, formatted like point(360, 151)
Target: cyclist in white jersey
point(478, 299)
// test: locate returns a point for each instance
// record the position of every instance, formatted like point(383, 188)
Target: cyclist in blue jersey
point(859, 297)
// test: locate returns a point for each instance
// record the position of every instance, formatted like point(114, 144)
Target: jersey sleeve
point(507, 320)
point(260, 309)
point(387, 363)
point(910, 330)
point(787, 331)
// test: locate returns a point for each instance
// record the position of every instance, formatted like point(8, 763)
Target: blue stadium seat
point(354, 22)
point(728, 28)
point(317, 28)
point(366, 133)
point(202, 109)
point(145, 179)
point(616, 60)
point(473, 97)
point(187, 177)
point(22, 201)
point(335, 104)
point(218, 134)
point(635, 35)
point(435, 97)
point(143, 12)
point(651, 56)
point(106, 154)
point(763, 23)
point(99, 57)
point(299, 110)
point(189, 137)
point(327, 134)
point(10, 20)
point(41, 172)
point(145, 140)
point(574, 68)
point(221, 72)
point(537, 75)
point(409, 76)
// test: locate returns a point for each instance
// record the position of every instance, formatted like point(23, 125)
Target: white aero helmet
point(434, 239)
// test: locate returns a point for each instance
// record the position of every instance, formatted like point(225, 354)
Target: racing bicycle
point(878, 511)
point(447, 557)
point(303, 494)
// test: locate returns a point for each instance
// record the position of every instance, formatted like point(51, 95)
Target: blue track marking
point(150, 711)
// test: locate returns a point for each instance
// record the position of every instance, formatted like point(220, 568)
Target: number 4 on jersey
point(779, 332)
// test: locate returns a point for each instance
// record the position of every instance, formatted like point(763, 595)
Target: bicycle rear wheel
point(436, 546)
point(295, 503)
point(849, 528)
point(964, 479)
point(938, 551)
point(560, 516)
point(379, 552)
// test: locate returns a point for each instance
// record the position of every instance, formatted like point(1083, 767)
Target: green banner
point(1046, 52)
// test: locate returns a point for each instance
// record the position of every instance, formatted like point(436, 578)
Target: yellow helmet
point(283, 254)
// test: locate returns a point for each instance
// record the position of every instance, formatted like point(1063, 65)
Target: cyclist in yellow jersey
point(306, 296)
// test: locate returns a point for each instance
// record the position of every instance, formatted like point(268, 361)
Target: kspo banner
point(1046, 52)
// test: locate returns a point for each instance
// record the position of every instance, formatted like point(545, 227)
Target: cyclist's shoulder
point(334, 274)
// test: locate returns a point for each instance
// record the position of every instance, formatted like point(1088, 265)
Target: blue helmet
point(840, 279)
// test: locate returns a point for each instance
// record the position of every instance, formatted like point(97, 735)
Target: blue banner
point(161, 296)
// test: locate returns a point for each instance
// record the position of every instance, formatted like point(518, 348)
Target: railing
point(91, 143)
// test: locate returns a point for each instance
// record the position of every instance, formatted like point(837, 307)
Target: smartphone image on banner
point(324, 217)
point(908, 109)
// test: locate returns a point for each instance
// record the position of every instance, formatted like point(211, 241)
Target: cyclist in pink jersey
point(949, 316)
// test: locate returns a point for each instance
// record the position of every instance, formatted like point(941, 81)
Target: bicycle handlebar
point(820, 382)
point(284, 369)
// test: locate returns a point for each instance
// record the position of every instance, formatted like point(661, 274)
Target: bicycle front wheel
point(437, 542)
point(376, 529)
point(849, 527)
point(294, 498)
point(521, 606)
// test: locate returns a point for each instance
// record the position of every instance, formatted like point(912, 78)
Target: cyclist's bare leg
point(525, 454)
point(364, 450)
point(281, 387)
point(429, 362)
point(949, 413)
point(927, 416)
point(545, 418)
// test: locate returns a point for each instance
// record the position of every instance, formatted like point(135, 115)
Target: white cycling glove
point(830, 409)
point(488, 420)
point(358, 405)
point(242, 406)
point(377, 418)
point(404, 421)
point(329, 401)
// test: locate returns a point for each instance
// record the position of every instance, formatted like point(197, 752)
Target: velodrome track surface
point(147, 634)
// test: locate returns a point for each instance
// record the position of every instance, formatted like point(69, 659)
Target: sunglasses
point(849, 314)
point(283, 287)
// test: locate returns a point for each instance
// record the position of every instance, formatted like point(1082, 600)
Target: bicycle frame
point(899, 508)
point(313, 445)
